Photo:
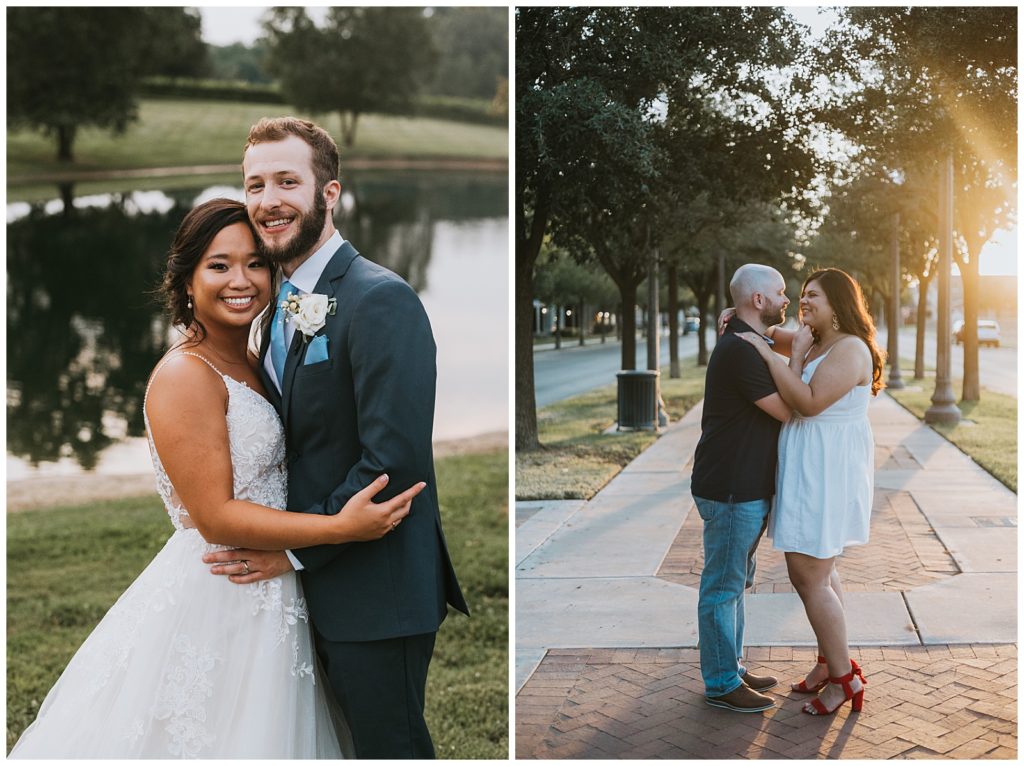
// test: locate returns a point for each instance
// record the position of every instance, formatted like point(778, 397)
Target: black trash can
point(638, 400)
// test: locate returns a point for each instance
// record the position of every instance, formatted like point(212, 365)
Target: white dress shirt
point(304, 279)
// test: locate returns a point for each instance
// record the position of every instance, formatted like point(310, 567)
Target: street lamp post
point(944, 409)
point(895, 378)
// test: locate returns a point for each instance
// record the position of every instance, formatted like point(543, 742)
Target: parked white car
point(988, 332)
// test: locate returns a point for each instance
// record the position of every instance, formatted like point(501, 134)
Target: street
point(576, 369)
point(998, 365)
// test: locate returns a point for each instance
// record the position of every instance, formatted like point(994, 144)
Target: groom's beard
point(773, 316)
point(311, 226)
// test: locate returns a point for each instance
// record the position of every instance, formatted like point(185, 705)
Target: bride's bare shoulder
point(182, 378)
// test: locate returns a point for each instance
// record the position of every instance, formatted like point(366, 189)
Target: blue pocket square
point(317, 351)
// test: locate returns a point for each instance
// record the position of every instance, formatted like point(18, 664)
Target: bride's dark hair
point(197, 230)
point(851, 313)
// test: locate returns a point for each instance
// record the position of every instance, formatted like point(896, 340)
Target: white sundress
point(825, 478)
point(186, 664)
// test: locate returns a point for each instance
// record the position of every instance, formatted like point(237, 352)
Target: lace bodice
point(256, 441)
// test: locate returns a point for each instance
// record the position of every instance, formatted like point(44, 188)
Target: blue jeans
point(731, 534)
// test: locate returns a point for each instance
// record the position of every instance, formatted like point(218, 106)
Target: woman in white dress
point(825, 474)
point(187, 664)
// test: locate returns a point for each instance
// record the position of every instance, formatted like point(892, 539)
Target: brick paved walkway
point(904, 553)
point(606, 605)
point(932, 702)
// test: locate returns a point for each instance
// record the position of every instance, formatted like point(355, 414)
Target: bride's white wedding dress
point(187, 664)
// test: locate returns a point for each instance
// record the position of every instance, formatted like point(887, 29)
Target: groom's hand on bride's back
point(243, 565)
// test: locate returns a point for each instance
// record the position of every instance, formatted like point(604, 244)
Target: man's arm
point(392, 353)
point(775, 407)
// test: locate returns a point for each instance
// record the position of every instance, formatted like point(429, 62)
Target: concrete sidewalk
point(615, 578)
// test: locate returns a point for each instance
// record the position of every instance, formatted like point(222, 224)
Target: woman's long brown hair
point(851, 310)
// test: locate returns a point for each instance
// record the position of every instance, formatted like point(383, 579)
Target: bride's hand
point(363, 520)
point(803, 339)
point(724, 317)
point(756, 341)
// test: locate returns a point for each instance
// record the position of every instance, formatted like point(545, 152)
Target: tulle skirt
point(187, 664)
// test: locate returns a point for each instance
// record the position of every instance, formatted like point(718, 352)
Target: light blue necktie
point(277, 350)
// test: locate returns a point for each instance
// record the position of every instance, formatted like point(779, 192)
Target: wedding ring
point(246, 565)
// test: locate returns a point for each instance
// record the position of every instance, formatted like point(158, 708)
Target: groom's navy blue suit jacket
point(367, 410)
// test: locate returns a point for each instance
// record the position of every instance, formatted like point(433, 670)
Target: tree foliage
point(472, 45)
point(73, 67)
point(924, 82)
point(362, 60)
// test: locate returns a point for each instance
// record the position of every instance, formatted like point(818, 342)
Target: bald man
point(733, 484)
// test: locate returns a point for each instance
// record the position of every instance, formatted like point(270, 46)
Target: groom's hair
point(325, 151)
point(751, 278)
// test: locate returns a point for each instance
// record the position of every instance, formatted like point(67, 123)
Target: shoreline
point(496, 165)
point(41, 492)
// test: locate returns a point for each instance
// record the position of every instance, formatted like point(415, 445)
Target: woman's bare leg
point(819, 589)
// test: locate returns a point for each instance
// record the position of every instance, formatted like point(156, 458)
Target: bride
point(186, 665)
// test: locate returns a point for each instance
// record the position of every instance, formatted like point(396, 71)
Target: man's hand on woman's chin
point(243, 566)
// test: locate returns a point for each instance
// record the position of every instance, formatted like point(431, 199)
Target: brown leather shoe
point(742, 699)
point(759, 683)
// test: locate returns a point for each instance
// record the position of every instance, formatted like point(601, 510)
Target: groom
point(355, 389)
point(733, 483)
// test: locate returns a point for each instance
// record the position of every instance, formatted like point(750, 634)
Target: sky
point(226, 25)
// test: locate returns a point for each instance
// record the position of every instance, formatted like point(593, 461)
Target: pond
point(84, 329)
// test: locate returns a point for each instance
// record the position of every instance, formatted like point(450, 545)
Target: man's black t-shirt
point(739, 442)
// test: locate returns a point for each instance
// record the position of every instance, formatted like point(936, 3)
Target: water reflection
point(84, 329)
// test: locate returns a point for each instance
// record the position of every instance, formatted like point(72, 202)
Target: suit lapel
point(291, 364)
point(334, 270)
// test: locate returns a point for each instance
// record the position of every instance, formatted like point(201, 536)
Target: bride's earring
point(190, 308)
point(835, 321)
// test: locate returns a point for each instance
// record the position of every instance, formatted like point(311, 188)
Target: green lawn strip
point(66, 566)
point(987, 432)
point(577, 457)
point(176, 133)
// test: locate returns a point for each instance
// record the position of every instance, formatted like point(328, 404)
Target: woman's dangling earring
point(835, 321)
point(190, 308)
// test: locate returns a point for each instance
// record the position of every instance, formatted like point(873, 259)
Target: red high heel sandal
point(857, 697)
point(803, 688)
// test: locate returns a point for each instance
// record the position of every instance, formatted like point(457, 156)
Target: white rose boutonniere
point(309, 312)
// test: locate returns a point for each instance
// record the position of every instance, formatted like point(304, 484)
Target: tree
point(363, 60)
point(239, 62)
point(562, 281)
point(472, 46)
point(588, 155)
point(902, 99)
point(72, 67)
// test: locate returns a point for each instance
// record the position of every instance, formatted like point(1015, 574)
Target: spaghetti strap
point(164, 361)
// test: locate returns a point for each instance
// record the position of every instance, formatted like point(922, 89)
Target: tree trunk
point(558, 327)
point(65, 142)
point(922, 318)
point(703, 299)
point(673, 322)
point(581, 321)
point(627, 291)
point(528, 242)
point(67, 196)
point(349, 122)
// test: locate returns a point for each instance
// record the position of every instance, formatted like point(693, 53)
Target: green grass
point(987, 432)
point(577, 457)
point(67, 565)
point(175, 133)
